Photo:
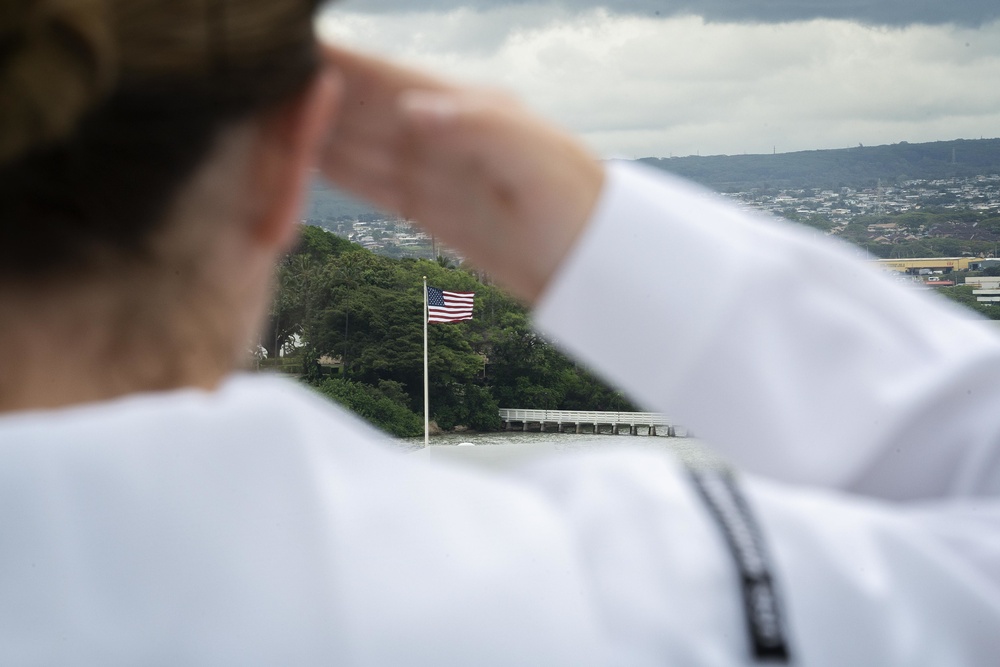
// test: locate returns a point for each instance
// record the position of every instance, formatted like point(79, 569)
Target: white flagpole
point(427, 413)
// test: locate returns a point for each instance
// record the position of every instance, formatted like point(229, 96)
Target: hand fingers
point(367, 144)
point(487, 176)
point(459, 115)
point(376, 83)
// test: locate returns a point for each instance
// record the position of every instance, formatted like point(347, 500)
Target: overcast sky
point(643, 78)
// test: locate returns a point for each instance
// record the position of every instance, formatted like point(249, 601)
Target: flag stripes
point(443, 306)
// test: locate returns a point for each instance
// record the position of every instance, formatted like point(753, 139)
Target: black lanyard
point(760, 601)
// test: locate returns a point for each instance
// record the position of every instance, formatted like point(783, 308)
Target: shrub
point(374, 406)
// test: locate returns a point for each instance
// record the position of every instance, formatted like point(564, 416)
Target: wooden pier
point(587, 422)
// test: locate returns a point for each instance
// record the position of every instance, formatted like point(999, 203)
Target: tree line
point(363, 314)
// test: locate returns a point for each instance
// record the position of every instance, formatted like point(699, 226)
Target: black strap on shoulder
point(726, 504)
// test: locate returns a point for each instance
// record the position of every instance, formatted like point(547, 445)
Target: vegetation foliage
point(390, 413)
point(364, 314)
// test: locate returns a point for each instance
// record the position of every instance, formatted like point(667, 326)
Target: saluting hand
point(472, 166)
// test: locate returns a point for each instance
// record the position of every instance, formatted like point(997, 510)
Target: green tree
point(373, 405)
point(341, 301)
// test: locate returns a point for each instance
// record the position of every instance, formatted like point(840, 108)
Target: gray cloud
point(875, 12)
point(639, 86)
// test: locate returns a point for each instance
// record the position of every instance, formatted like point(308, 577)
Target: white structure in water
point(581, 421)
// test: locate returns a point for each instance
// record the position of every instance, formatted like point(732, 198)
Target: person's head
point(152, 153)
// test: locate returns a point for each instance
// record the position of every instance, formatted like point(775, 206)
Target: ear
point(289, 144)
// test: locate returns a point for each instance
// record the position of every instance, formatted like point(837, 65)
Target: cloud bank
point(873, 12)
point(637, 86)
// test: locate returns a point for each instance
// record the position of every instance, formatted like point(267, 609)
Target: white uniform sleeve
point(801, 363)
point(857, 581)
point(783, 350)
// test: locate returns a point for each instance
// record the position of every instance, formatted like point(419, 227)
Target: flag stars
point(444, 306)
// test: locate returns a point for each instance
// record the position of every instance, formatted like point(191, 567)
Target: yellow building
point(943, 264)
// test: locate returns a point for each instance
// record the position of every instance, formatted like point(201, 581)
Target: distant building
point(986, 263)
point(987, 289)
point(942, 264)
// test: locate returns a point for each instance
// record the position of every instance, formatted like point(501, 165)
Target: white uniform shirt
point(803, 364)
point(258, 525)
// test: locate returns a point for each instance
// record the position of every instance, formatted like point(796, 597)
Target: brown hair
point(108, 106)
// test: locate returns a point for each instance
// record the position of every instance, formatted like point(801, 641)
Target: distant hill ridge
point(858, 167)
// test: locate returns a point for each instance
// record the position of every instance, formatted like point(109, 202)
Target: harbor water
point(505, 450)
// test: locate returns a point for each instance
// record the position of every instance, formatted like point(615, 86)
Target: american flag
point(445, 306)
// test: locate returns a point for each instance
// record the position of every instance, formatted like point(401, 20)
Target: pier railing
point(589, 420)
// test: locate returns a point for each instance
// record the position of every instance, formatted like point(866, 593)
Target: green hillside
point(858, 167)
